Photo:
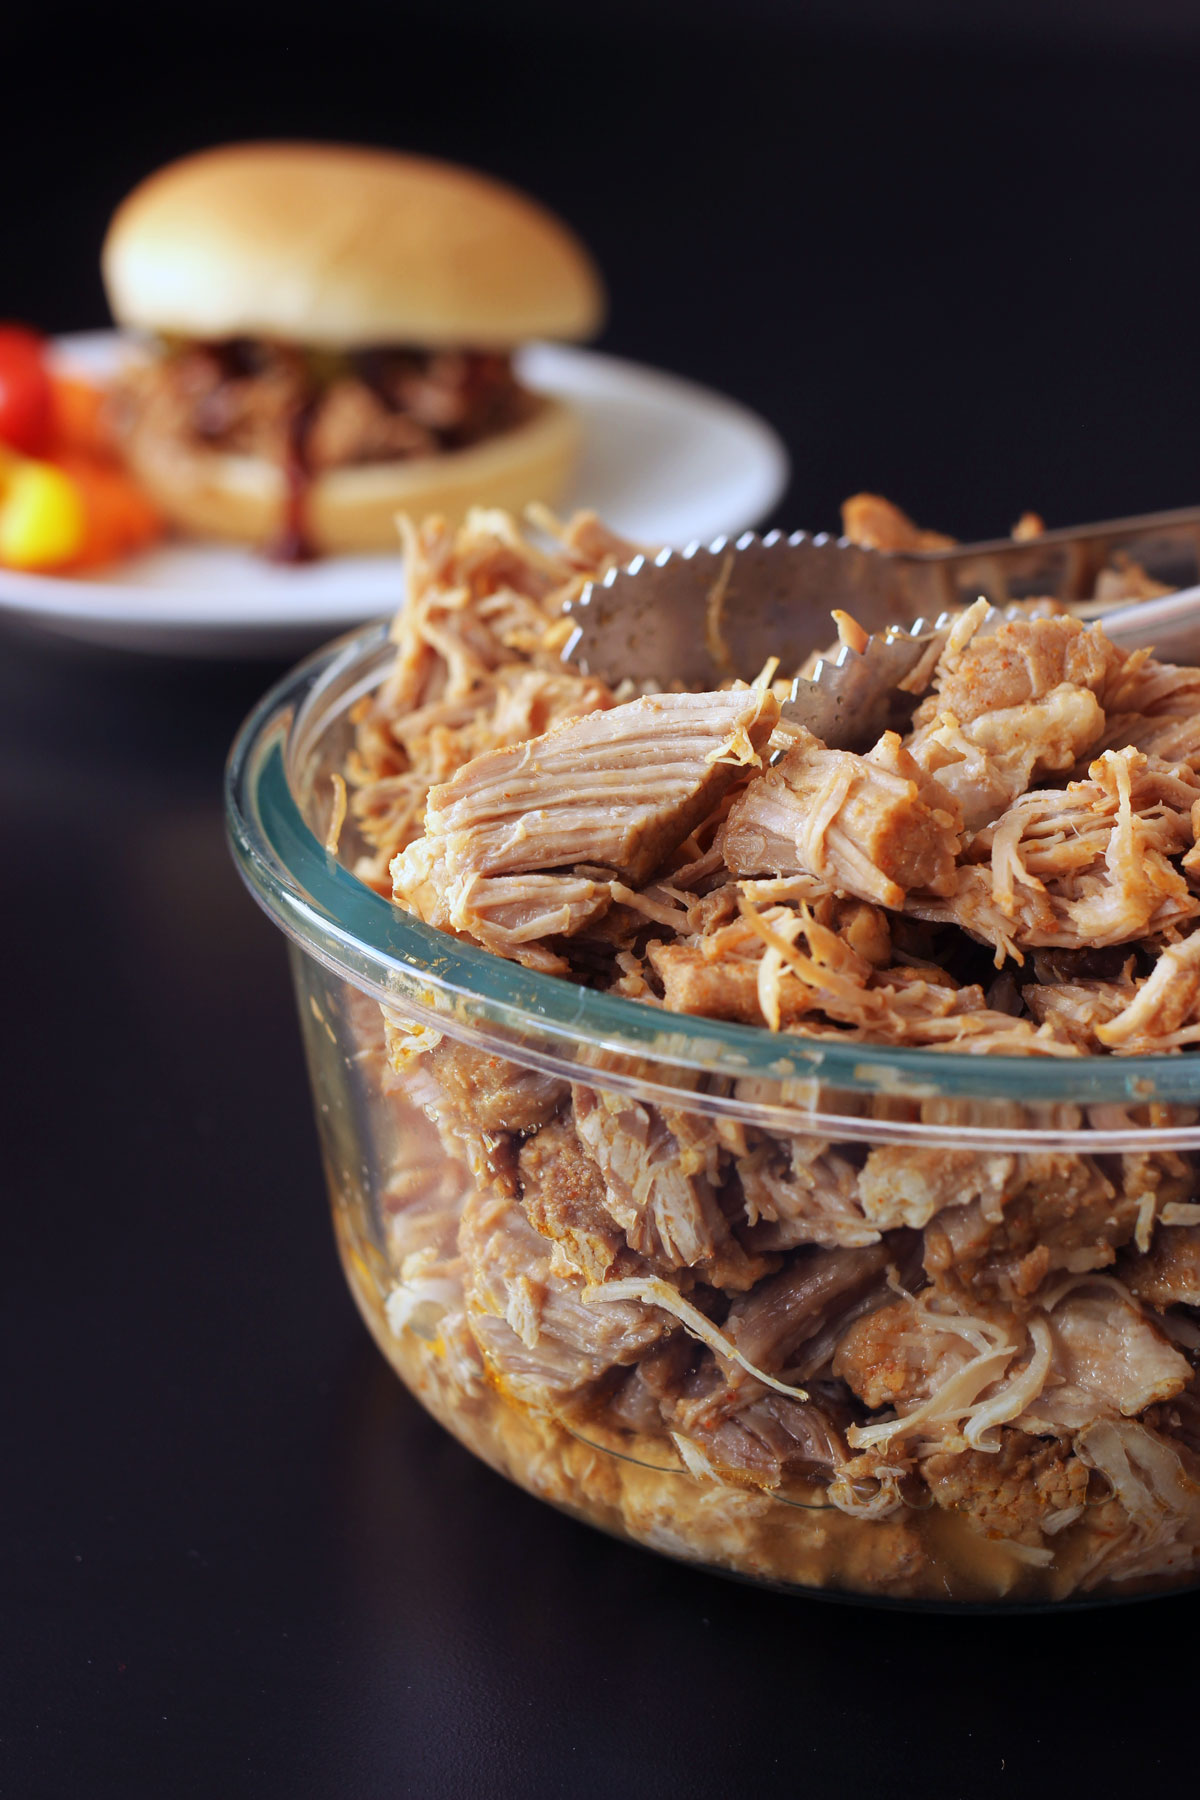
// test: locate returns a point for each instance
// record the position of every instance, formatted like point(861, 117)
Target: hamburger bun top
point(332, 245)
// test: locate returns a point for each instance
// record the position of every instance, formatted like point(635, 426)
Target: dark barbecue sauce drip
point(292, 543)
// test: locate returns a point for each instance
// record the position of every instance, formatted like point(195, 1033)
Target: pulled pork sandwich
point(333, 334)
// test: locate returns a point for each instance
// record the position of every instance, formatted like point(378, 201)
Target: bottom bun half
point(243, 499)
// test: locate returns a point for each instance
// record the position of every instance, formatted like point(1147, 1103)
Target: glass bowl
point(992, 1246)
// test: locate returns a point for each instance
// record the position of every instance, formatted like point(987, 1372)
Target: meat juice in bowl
point(779, 1157)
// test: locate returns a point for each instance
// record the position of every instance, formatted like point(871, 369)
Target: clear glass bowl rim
point(557, 1025)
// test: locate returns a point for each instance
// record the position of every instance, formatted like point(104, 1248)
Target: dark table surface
point(237, 1558)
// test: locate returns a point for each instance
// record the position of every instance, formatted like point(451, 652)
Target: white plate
point(664, 461)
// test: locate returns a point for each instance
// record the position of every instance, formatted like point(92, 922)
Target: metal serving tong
point(712, 612)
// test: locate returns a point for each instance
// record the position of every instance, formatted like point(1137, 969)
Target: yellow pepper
point(42, 519)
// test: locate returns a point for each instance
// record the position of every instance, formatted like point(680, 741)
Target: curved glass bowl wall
point(419, 1154)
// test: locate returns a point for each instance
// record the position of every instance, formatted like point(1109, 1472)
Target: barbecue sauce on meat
point(249, 397)
point(292, 543)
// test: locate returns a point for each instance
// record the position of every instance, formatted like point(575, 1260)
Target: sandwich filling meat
point(969, 1372)
point(308, 412)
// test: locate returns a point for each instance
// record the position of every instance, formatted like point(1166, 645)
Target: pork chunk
point(536, 1330)
point(1109, 1358)
point(871, 826)
point(1077, 1009)
point(770, 1439)
point(899, 1186)
point(1062, 1212)
point(1017, 665)
point(1169, 1275)
point(488, 1093)
point(659, 1187)
point(616, 790)
point(801, 1191)
point(712, 986)
point(1011, 1493)
point(1008, 706)
point(563, 1194)
point(783, 1314)
point(525, 842)
point(987, 764)
point(1083, 866)
point(877, 524)
point(897, 1355)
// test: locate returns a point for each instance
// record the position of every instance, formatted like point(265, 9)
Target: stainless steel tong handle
point(1168, 624)
point(713, 611)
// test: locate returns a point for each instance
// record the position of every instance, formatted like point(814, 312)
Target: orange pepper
point(119, 519)
point(77, 418)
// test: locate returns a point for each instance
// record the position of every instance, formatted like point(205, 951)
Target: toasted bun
point(354, 509)
point(330, 245)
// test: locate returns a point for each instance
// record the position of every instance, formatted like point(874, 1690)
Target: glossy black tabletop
point(237, 1558)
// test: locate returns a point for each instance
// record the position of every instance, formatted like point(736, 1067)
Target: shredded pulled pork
point(245, 396)
point(1086, 865)
point(476, 668)
point(869, 826)
point(689, 849)
point(876, 524)
point(882, 1333)
point(536, 840)
point(1009, 705)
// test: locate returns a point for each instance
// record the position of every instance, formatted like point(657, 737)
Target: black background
point(952, 251)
